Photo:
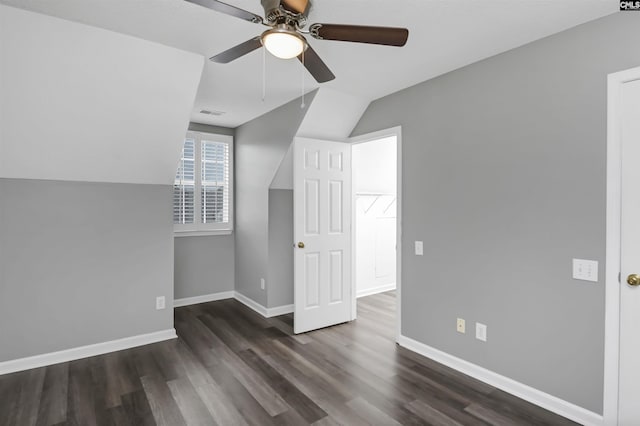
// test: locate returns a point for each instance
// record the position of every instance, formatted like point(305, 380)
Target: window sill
point(202, 233)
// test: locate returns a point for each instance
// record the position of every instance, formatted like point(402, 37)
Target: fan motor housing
point(279, 12)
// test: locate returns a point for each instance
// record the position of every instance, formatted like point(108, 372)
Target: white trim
point(534, 396)
point(381, 134)
point(186, 301)
point(613, 231)
point(250, 303)
point(265, 312)
point(85, 351)
point(376, 290)
point(202, 233)
point(279, 310)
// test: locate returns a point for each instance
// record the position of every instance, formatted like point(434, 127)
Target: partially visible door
point(322, 232)
point(629, 373)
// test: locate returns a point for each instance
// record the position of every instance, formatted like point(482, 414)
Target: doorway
point(376, 219)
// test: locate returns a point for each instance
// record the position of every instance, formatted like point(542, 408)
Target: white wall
point(374, 174)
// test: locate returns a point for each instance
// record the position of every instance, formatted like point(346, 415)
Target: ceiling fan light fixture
point(283, 42)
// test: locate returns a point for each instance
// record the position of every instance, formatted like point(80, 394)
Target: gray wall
point(260, 146)
point(504, 180)
point(280, 290)
point(82, 263)
point(204, 264)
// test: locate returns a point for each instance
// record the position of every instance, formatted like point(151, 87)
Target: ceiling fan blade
point(297, 6)
point(218, 6)
point(237, 51)
point(316, 67)
point(388, 36)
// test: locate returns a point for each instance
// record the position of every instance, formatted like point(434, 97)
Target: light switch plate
point(419, 248)
point(160, 302)
point(586, 270)
point(481, 332)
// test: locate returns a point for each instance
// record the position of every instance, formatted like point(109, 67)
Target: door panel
point(335, 276)
point(322, 218)
point(336, 209)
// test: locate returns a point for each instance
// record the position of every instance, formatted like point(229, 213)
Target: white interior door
point(322, 232)
point(629, 373)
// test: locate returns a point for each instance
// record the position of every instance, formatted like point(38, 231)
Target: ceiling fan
point(285, 39)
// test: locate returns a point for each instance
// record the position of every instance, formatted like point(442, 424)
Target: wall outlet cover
point(460, 326)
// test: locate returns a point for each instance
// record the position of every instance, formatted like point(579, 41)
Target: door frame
point(613, 234)
point(370, 137)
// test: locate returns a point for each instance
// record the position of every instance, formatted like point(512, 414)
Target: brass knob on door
point(300, 244)
point(633, 279)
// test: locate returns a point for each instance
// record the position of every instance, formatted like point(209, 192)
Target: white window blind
point(203, 187)
point(184, 185)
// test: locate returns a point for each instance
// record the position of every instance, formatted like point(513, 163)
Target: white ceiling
point(443, 35)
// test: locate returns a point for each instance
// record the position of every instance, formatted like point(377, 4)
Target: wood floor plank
point(258, 388)
point(137, 408)
point(372, 414)
point(28, 397)
point(191, 406)
point(252, 412)
point(323, 394)
point(53, 404)
point(164, 408)
point(292, 395)
point(431, 415)
point(490, 416)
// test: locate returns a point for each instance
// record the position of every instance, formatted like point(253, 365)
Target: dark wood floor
point(230, 366)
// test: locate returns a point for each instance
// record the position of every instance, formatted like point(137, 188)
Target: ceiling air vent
point(216, 113)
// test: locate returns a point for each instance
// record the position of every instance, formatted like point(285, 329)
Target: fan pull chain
point(303, 68)
point(264, 73)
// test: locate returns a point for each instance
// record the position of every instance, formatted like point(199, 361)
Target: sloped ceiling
point(85, 104)
point(444, 35)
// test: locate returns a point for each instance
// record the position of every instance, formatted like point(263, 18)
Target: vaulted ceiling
point(444, 35)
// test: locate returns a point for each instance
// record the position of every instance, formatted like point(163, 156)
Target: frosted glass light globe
point(283, 45)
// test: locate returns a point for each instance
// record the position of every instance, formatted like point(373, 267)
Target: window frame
point(197, 228)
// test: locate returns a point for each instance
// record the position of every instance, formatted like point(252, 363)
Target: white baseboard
point(265, 312)
point(203, 299)
point(85, 351)
point(375, 290)
point(250, 303)
point(279, 310)
point(534, 396)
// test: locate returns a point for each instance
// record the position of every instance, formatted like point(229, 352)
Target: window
point(203, 187)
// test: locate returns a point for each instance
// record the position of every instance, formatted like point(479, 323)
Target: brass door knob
point(300, 244)
point(633, 279)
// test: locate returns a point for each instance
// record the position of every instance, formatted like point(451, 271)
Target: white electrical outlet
point(262, 285)
point(160, 302)
point(419, 248)
point(586, 270)
point(481, 332)
point(460, 326)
